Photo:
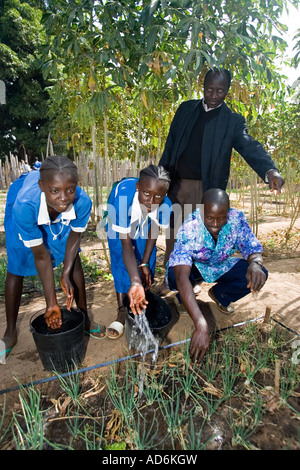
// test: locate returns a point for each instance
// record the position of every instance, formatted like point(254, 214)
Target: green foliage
point(116, 446)
point(109, 56)
point(122, 67)
point(24, 116)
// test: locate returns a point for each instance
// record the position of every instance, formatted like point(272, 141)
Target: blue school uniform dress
point(125, 217)
point(27, 224)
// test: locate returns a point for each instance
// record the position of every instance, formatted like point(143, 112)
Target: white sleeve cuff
point(31, 243)
point(78, 229)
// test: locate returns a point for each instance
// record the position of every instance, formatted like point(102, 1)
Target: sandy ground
point(281, 293)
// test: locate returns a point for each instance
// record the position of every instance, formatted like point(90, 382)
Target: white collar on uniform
point(206, 108)
point(44, 219)
point(136, 211)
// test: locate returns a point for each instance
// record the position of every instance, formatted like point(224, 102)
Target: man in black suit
point(199, 145)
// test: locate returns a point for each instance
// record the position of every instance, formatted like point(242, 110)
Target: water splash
point(143, 340)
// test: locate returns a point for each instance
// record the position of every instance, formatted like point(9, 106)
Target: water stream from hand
point(143, 340)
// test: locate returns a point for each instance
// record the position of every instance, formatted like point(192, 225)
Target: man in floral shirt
point(204, 251)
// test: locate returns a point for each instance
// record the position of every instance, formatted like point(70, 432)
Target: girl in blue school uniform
point(45, 216)
point(137, 208)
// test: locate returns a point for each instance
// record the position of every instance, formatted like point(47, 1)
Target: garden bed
point(244, 395)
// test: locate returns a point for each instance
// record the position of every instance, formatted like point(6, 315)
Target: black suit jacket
point(227, 131)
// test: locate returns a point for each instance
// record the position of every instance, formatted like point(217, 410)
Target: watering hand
point(68, 290)
point(137, 299)
point(52, 317)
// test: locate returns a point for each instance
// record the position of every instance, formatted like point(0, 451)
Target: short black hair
point(58, 164)
point(219, 71)
point(216, 196)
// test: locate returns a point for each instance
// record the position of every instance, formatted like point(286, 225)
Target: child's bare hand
point(137, 299)
point(146, 277)
point(68, 290)
point(52, 317)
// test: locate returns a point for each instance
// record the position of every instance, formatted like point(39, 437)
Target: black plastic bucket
point(60, 350)
point(159, 317)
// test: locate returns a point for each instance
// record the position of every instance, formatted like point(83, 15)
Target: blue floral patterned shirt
point(213, 259)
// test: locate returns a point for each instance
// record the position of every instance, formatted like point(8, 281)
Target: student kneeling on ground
point(203, 252)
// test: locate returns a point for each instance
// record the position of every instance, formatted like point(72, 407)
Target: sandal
point(4, 352)
point(92, 332)
point(118, 327)
point(227, 310)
